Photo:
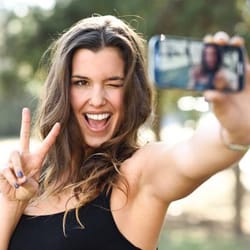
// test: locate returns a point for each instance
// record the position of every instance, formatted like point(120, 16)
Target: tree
point(197, 18)
point(25, 39)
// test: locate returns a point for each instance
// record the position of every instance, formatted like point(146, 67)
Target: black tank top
point(46, 232)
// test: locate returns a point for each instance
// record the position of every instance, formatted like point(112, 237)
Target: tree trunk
point(238, 201)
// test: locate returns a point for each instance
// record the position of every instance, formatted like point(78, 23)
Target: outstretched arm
point(172, 173)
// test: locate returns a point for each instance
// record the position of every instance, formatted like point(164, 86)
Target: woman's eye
point(115, 85)
point(80, 83)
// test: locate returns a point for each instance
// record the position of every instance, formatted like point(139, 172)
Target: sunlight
point(189, 103)
point(23, 4)
point(8, 145)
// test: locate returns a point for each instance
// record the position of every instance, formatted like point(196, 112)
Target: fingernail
point(16, 186)
point(19, 174)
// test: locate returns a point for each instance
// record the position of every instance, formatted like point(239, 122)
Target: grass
point(201, 239)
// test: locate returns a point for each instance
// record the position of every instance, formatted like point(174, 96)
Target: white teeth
point(97, 117)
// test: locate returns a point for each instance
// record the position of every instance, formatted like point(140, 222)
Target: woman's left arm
point(175, 172)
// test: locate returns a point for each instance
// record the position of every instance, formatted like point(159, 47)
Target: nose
point(97, 97)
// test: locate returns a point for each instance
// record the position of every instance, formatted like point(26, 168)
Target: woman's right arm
point(10, 213)
point(18, 180)
point(15, 192)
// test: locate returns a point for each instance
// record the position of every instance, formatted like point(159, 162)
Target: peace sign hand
point(19, 180)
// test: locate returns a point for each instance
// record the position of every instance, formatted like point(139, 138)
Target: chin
point(95, 143)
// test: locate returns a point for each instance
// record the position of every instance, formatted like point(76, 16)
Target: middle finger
point(16, 163)
point(25, 131)
point(9, 176)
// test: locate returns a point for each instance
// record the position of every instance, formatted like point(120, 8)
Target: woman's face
point(96, 93)
point(210, 56)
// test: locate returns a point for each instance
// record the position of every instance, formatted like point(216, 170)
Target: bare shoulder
point(147, 156)
point(161, 172)
point(151, 151)
point(130, 210)
point(153, 154)
point(145, 162)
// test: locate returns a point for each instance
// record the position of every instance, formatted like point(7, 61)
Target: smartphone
point(186, 63)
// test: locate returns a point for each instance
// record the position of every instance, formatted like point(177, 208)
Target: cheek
point(72, 101)
point(118, 102)
point(75, 100)
point(120, 106)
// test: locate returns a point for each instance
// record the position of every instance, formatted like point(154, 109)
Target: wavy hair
point(218, 55)
point(70, 162)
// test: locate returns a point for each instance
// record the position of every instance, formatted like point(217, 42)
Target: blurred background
point(216, 216)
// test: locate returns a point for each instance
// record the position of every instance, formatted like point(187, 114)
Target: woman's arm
point(174, 173)
point(10, 213)
point(18, 180)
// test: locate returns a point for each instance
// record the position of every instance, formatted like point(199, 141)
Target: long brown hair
point(69, 162)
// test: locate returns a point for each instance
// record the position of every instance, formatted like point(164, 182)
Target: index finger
point(237, 41)
point(221, 38)
point(25, 131)
point(49, 141)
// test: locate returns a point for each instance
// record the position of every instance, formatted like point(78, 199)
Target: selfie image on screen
point(194, 65)
point(217, 70)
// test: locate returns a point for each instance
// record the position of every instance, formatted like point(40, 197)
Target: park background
point(216, 216)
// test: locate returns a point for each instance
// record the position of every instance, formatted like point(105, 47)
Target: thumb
point(28, 190)
point(215, 96)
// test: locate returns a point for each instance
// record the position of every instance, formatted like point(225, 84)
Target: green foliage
point(23, 40)
point(10, 110)
point(26, 39)
point(198, 239)
point(197, 18)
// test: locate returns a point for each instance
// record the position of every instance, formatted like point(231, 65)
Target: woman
point(211, 74)
point(203, 75)
point(97, 188)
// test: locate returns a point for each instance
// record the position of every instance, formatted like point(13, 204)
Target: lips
point(97, 122)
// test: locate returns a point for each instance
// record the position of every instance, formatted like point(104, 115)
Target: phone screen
point(177, 62)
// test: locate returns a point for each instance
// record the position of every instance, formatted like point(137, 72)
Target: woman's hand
point(19, 179)
point(232, 109)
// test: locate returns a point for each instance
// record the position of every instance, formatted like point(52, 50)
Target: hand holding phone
point(180, 62)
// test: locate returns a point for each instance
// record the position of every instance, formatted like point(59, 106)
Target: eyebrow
point(78, 76)
point(112, 78)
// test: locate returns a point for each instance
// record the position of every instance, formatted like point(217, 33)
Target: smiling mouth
point(97, 122)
